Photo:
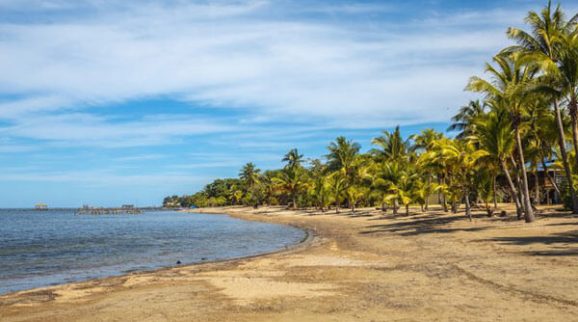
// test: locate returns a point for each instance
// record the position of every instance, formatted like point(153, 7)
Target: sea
point(51, 247)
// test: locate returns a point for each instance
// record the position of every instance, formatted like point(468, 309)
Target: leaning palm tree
point(568, 81)
point(495, 135)
point(544, 45)
point(510, 87)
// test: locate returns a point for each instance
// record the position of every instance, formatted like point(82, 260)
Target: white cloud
point(90, 130)
point(233, 55)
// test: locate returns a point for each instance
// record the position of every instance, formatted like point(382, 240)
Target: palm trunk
point(407, 210)
point(395, 206)
point(573, 108)
point(516, 167)
point(468, 206)
point(529, 213)
point(336, 204)
point(565, 158)
point(427, 197)
point(494, 194)
point(439, 193)
point(536, 187)
point(445, 200)
point(513, 192)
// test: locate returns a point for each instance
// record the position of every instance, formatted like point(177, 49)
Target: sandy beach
point(360, 266)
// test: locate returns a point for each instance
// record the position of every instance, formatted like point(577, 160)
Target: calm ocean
point(40, 248)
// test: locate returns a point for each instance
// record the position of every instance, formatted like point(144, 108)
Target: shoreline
point(360, 266)
point(302, 244)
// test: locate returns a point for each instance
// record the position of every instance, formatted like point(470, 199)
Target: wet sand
point(361, 266)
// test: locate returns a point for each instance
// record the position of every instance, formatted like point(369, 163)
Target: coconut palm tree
point(463, 121)
point(394, 180)
point(495, 135)
point(292, 178)
point(568, 81)
point(425, 138)
point(509, 87)
point(342, 154)
point(293, 159)
point(337, 185)
point(319, 188)
point(250, 177)
point(462, 158)
point(291, 182)
point(391, 146)
point(543, 45)
point(343, 157)
point(424, 142)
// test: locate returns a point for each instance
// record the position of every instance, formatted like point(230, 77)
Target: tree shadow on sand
point(561, 243)
point(429, 224)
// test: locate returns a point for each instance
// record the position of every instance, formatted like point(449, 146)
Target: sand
point(358, 267)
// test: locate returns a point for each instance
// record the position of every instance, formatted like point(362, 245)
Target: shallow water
point(41, 248)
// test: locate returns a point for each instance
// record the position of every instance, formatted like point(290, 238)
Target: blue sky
point(110, 102)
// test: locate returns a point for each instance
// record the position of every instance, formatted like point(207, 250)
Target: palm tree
point(391, 146)
point(435, 159)
point(394, 180)
point(463, 121)
point(462, 157)
point(425, 138)
point(424, 142)
point(292, 177)
point(338, 185)
point(249, 174)
point(420, 192)
point(293, 159)
point(543, 46)
point(509, 87)
point(495, 135)
point(342, 154)
point(250, 178)
point(568, 81)
point(343, 157)
point(319, 187)
point(291, 182)
point(354, 194)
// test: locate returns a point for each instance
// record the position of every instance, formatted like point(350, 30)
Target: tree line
point(526, 119)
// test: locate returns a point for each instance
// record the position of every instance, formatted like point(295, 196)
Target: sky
point(113, 102)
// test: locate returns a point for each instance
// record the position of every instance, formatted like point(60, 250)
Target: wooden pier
point(124, 210)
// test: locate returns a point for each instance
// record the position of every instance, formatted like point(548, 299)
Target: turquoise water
point(41, 248)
